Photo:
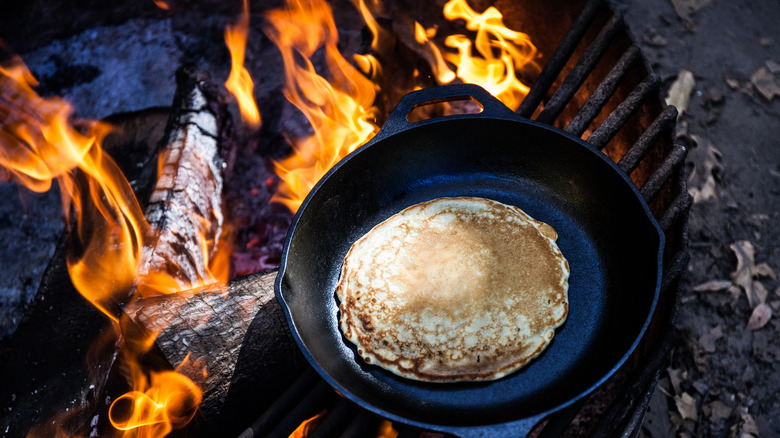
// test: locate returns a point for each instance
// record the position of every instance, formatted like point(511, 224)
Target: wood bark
point(185, 206)
point(236, 333)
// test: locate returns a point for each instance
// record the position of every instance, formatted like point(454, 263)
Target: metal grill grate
point(652, 159)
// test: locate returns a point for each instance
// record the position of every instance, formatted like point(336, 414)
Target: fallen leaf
point(747, 270)
point(684, 8)
point(717, 411)
point(707, 340)
point(773, 66)
point(764, 270)
point(680, 91)
point(712, 286)
point(761, 315)
point(746, 428)
point(686, 406)
point(765, 83)
point(706, 167)
point(759, 292)
point(676, 376)
point(732, 83)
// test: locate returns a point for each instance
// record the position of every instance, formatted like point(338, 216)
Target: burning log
point(185, 207)
point(236, 333)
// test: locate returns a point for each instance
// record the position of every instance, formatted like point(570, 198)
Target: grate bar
point(675, 211)
point(603, 93)
point(623, 112)
point(320, 398)
point(282, 405)
point(662, 174)
point(554, 107)
point(362, 426)
point(336, 421)
point(647, 140)
point(559, 58)
point(675, 268)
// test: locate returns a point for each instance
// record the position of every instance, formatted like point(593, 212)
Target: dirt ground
point(723, 376)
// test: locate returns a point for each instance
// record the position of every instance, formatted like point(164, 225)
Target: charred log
point(233, 341)
point(185, 207)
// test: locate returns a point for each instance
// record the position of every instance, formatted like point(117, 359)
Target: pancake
point(454, 289)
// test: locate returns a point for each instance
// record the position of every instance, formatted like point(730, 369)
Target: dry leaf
point(746, 428)
point(732, 83)
point(686, 406)
point(760, 317)
point(765, 83)
point(685, 8)
point(746, 270)
point(712, 286)
point(676, 376)
point(706, 167)
point(717, 411)
point(707, 340)
point(759, 292)
point(680, 91)
point(773, 66)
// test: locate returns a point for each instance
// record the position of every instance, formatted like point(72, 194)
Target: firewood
point(185, 206)
point(237, 334)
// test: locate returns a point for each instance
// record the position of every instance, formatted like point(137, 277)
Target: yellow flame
point(307, 426)
point(340, 110)
point(38, 143)
point(240, 83)
point(502, 52)
point(442, 72)
point(159, 403)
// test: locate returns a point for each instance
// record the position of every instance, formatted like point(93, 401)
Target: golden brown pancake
point(454, 289)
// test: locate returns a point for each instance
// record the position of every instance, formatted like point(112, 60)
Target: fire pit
point(586, 77)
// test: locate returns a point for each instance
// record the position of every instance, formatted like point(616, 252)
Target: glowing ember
point(502, 52)
point(339, 111)
point(239, 83)
point(37, 144)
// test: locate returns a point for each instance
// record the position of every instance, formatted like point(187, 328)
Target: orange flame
point(162, 5)
point(503, 52)
point(160, 403)
point(440, 69)
point(38, 144)
point(340, 111)
point(239, 83)
point(304, 429)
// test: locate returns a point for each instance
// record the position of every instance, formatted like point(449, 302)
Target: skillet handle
point(491, 107)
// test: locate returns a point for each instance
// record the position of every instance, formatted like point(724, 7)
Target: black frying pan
point(605, 230)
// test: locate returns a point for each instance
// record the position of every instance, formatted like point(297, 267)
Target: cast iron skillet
point(605, 229)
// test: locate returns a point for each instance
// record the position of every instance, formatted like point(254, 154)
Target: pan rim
point(526, 421)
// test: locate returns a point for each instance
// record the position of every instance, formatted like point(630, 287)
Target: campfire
point(178, 254)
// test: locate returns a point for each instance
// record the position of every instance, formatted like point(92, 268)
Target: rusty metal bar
point(363, 425)
point(675, 210)
point(559, 58)
point(662, 174)
point(320, 398)
point(336, 420)
point(581, 71)
point(648, 139)
point(623, 112)
point(282, 405)
point(603, 93)
point(675, 268)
